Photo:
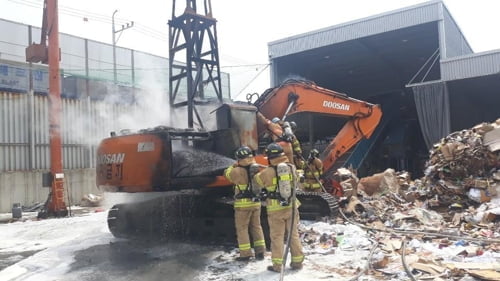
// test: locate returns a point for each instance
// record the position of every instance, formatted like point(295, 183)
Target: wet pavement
point(10, 258)
point(129, 260)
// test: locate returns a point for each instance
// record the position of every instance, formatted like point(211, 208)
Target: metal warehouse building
point(414, 61)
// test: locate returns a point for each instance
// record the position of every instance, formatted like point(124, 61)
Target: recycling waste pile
point(443, 226)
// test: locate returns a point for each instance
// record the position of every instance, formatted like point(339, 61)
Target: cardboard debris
point(429, 268)
point(485, 274)
point(380, 262)
point(474, 265)
point(492, 140)
point(427, 217)
point(379, 183)
point(450, 216)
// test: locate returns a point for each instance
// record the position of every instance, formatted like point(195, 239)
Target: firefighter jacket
point(297, 154)
point(238, 175)
point(287, 149)
point(268, 179)
point(274, 129)
point(276, 132)
point(313, 171)
point(247, 212)
point(280, 218)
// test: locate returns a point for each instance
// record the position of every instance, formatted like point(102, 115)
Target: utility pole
point(115, 31)
point(50, 54)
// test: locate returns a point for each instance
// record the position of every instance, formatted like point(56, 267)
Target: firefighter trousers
point(247, 220)
point(279, 224)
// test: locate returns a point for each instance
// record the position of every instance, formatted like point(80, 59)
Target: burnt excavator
point(184, 167)
point(179, 171)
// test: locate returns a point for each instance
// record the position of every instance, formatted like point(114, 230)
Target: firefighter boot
point(259, 256)
point(244, 259)
point(274, 268)
point(296, 265)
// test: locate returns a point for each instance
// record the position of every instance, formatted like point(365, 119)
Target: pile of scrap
point(463, 171)
point(466, 163)
point(91, 200)
point(450, 218)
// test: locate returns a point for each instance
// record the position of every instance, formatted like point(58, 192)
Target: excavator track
point(175, 216)
point(316, 205)
point(191, 215)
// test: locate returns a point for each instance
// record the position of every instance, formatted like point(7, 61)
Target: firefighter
point(274, 126)
point(279, 209)
point(298, 160)
point(313, 172)
point(246, 205)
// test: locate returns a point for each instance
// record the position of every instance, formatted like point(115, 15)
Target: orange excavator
point(182, 169)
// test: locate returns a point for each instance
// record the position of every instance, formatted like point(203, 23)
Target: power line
point(244, 65)
point(253, 79)
point(142, 29)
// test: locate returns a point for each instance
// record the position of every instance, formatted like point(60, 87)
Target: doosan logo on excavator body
point(336, 105)
point(114, 158)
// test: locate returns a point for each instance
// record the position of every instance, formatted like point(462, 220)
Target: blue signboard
point(15, 78)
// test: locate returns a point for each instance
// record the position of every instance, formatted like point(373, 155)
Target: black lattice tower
point(194, 35)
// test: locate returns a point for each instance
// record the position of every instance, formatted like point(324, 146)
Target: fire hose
point(289, 232)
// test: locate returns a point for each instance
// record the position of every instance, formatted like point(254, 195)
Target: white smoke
point(117, 112)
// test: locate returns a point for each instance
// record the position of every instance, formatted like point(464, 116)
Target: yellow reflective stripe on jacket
point(259, 181)
point(241, 187)
point(228, 172)
point(259, 243)
point(270, 188)
point(245, 203)
point(274, 205)
point(287, 177)
point(244, 247)
point(312, 185)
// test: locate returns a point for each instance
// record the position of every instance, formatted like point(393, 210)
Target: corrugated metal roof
point(397, 19)
point(473, 65)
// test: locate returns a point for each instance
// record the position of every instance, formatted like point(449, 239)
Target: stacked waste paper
point(467, 163)
point(463, 170)
point(449, 219)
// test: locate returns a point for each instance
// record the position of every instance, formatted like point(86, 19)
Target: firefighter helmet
point(275, 120)
point(243, 152)
point(293, 125)
point(314, 153)
point(274, 150)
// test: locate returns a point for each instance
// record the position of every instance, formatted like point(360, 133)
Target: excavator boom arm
point(300, 96)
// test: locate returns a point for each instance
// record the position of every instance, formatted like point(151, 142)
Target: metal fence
point(24, 130)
